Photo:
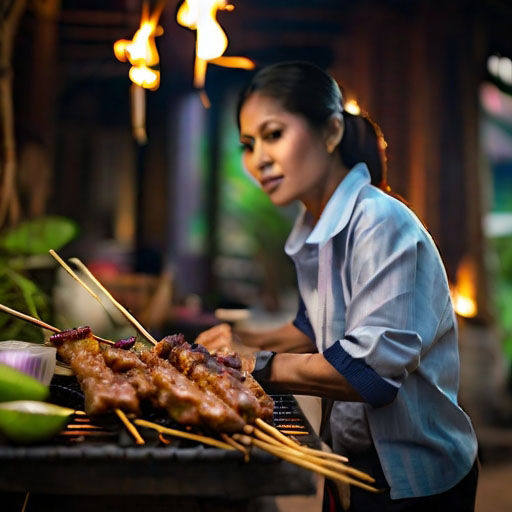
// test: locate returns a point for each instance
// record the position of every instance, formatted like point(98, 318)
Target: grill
point(89, 458)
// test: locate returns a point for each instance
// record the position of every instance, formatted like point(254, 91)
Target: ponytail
point(363, 142)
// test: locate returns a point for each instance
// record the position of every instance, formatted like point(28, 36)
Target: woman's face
point(282, 152)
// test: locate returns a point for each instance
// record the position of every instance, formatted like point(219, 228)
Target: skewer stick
point(40, 323)
point(237, 446)
point(314, 456)
point(29, 319)
point(129, 426)
point(68, 269)
point(163, 439)
point(120, 307)
point(25, 502)
point(249, 429)
point(275, 433)
point(185, 435)
point(299, 460)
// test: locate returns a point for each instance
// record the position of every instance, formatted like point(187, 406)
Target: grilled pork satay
point(234, 365)
point(128, 364)
point(103, 389)
point(199, 365)
point(179, 396)
point(167, 388)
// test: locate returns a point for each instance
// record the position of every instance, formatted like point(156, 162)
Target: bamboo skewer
point(250, 429)
point(29, 319)
point(119, 306)
point(129, 426)
point(313, 456)
point(299, 460)
point(237, 446)
point(275, 433)
point(163, 439)
point(25, 502)
point(40, 323)
point(69, 270)
point(185, 435)
point(84, 285)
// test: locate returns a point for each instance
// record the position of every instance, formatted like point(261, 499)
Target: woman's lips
point(271, 183)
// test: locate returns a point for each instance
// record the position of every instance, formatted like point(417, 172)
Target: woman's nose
point(261, 158)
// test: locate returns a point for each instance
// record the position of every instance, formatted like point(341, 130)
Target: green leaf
point(40, 235)
point(28, 290)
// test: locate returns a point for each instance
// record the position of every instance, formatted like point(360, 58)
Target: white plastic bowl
point(31, 358)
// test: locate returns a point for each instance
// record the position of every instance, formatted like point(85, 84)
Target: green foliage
point(39, 236)
point(18, 246)
point(503, 294)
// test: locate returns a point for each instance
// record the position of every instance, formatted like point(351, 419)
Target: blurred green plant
point(502, 247)
point(23, 250)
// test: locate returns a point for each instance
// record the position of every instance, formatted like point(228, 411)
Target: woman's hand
point(217, 338)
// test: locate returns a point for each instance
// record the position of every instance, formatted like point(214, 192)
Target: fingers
point(216, 337)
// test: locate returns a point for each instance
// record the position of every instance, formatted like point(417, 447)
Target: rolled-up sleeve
point(382, 342)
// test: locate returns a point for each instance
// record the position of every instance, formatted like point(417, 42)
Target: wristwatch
point(263, 367)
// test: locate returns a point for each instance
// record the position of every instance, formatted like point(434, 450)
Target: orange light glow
point(211, 40)
point(141, 51)
point(352, 107)
point(464, 291)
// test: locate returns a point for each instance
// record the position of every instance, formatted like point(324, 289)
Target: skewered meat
point(177, 394)
point(148, 377)
point(234, 365)
point(128, 365)
point(195, 390)
point(199, 365)
point(103, 389)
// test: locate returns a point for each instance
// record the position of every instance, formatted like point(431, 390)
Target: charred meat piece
point(234, 365)
point(121, 360)
point(200, 366)
point(103, 389)
point(71, 342)
point(185, 402)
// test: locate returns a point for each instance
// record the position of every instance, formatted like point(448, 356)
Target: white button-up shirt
point(377, 303)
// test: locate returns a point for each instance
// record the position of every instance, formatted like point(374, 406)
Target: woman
point(375, 323)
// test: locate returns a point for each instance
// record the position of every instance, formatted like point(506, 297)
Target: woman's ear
point(334, 132)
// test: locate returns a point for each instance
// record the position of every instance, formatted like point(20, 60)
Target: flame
point(200, 15)
point(211, 40)
point(141, 51)
point(464, 291)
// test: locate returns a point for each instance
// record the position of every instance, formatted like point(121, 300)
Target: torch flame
point(141, 51)
point(211, 40)
point(464, 291)
point(200, 15)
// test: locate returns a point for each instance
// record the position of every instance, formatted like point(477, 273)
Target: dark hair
point(305, 89)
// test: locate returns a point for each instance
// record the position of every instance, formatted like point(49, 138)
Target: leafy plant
point(503, 293)
point(24, 248)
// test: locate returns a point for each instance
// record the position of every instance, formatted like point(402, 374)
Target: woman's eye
point(273, 135)
point(245, 146)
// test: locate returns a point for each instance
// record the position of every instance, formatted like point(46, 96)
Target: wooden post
point(9, 202)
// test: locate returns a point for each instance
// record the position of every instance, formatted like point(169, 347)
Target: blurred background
point(146, 186)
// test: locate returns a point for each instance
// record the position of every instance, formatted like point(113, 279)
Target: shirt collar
point(335, 215)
